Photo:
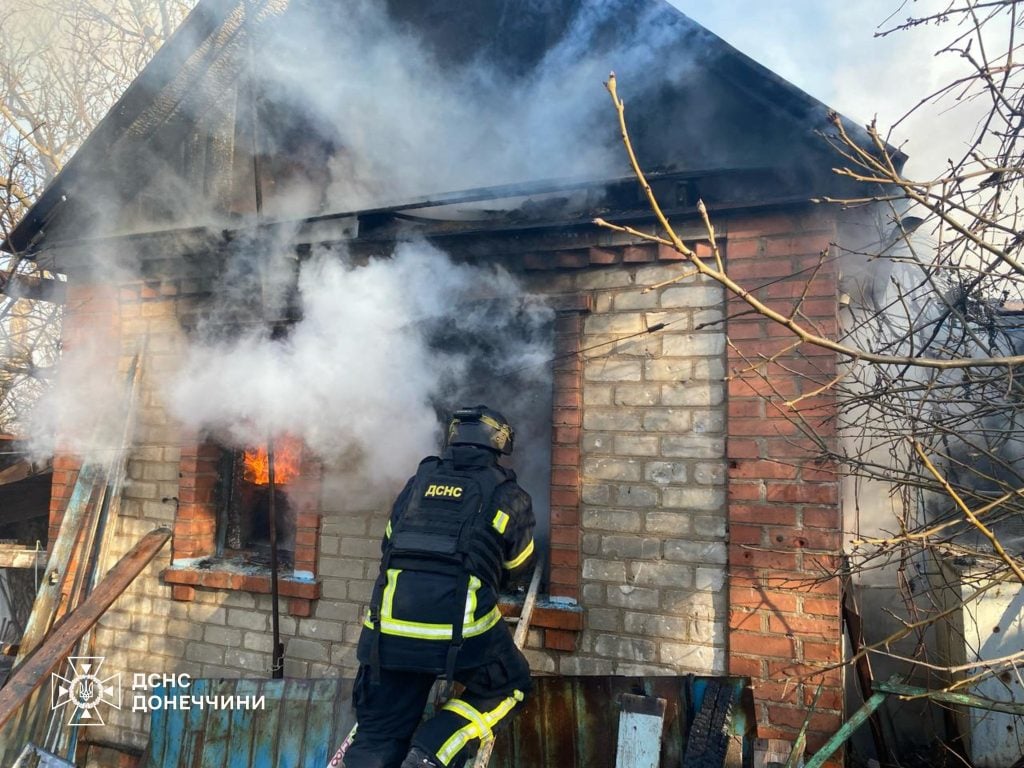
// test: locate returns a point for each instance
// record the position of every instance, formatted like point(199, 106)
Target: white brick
point(693, 344)
point(604, 570)
point(309, 650)
point(628, 596)
point(691, 296)
point(630, 547)
point(604, 619)
point(614, 419)
point(667, 420)
point(595, 493)
point(695, 551)
point(708, 421)
point(708, 473)
point(613, 277)
point(693, 498)
point(608, 369)
point(667, 523)
point(668, 369)
point(621, 322)
point(222, 636)
point(596, 394)
point(636, 300)
point(637, 445)
point(638, 394)
point(709, 527)
point(632, 648)
point(687, 657)
point(612, 469)
point(661, 574)
point(712, 579)
point(693, 446)
point(665, 472)
point(661, 272)
point(636, 496)
point(624, 521)
point(698, 393)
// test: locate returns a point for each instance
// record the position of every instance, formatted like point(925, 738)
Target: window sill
point(561, 622)
point(184, 578)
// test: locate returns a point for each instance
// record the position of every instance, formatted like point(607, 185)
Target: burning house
point(326, 225)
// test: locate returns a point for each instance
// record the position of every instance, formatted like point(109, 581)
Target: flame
point(287, 456)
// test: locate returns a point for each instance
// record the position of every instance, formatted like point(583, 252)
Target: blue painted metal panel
point(566, 721)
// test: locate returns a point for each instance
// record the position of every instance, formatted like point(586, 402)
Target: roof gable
point(346, 106)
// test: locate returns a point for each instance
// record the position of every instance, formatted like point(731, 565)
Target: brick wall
point(784, 519)
point(640, 515)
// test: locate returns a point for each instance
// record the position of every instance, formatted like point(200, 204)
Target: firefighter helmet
point(483, 427)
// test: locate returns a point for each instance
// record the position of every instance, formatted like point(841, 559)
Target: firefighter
point(459, 532)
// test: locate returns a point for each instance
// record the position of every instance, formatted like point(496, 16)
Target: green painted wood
point(846, 731)
point(949, 697)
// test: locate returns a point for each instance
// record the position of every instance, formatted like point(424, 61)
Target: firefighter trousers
point(388, 713)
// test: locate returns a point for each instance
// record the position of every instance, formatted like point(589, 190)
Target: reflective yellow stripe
point(387, 530)
point(521, 558)
point(480, 726)
point(500, 521)
point(471, 626)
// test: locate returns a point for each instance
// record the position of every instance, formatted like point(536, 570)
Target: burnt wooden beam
point(38, 665)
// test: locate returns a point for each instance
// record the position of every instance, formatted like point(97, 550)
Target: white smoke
point(357, 377)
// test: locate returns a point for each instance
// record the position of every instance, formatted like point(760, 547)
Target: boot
point(418, 758)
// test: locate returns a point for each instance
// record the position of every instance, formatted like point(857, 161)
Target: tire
point(708, 739)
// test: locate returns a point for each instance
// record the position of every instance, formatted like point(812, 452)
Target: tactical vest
point(444, 529)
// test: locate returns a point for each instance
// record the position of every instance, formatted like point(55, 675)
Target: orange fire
point(287, 455)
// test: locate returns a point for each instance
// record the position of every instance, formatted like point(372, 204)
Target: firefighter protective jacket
point(418, 602)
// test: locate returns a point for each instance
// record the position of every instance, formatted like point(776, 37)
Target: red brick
point(183, 592)
point(566, 557)
point(742, 557)
point(633, 254)
point(761, 644)
point(669, 253)
point(805, 538)
point(746, 534)
point(804, 627)
point(821, 606)
point(767, 469)
point(565, 497)
point(563, 435)
point(823, 517)
point(565, 455)
point(560, 639)
point(803, 493)
point(762, 599)
point(572, 259)
point(814, 651)
point(776, 691)
point(741, 448)
point(794, 717)
point(750, 621)
point(565, 576)
point(743, 250)
point(744, 491)
point(565, 535)
point(604, 255)
point(565, 516)
point(299, 607)
point(745, 665)
point(767, 427)
point(799, 245)
point(568, 324)
point(764, 514)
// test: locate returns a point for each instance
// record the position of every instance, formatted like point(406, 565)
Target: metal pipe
point(277, 657)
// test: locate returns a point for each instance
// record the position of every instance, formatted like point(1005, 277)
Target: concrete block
point(637, 445)
point(309, 650)
point(222, 636)
point(690, 657)
point(638, 394)
point(708, 473)
point(597, 394)
point(673, 523)
point(668, 369)
point(660, 574)
point(712, 579)
point(614, 277)
point(632, 648)
point(637, 598)
point(693, 344)
point(636, 299)
point(695, 393)
point(615, 323)
point(595, 493)
point(642, 496)
point(692, 296)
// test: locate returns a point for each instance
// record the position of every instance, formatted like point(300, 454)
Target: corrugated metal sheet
point(567, 721)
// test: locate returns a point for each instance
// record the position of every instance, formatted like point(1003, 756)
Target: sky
point(830, 50)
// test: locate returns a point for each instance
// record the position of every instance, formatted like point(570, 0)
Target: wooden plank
point(218, 729)
point(640, 727)
point(34, 670)
point(240, 752)
point(965, 699)
point(846, 731)
point(90, 478)
point(293, 723)
point(483, 757)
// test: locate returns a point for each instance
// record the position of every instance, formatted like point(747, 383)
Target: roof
point(695, 104)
